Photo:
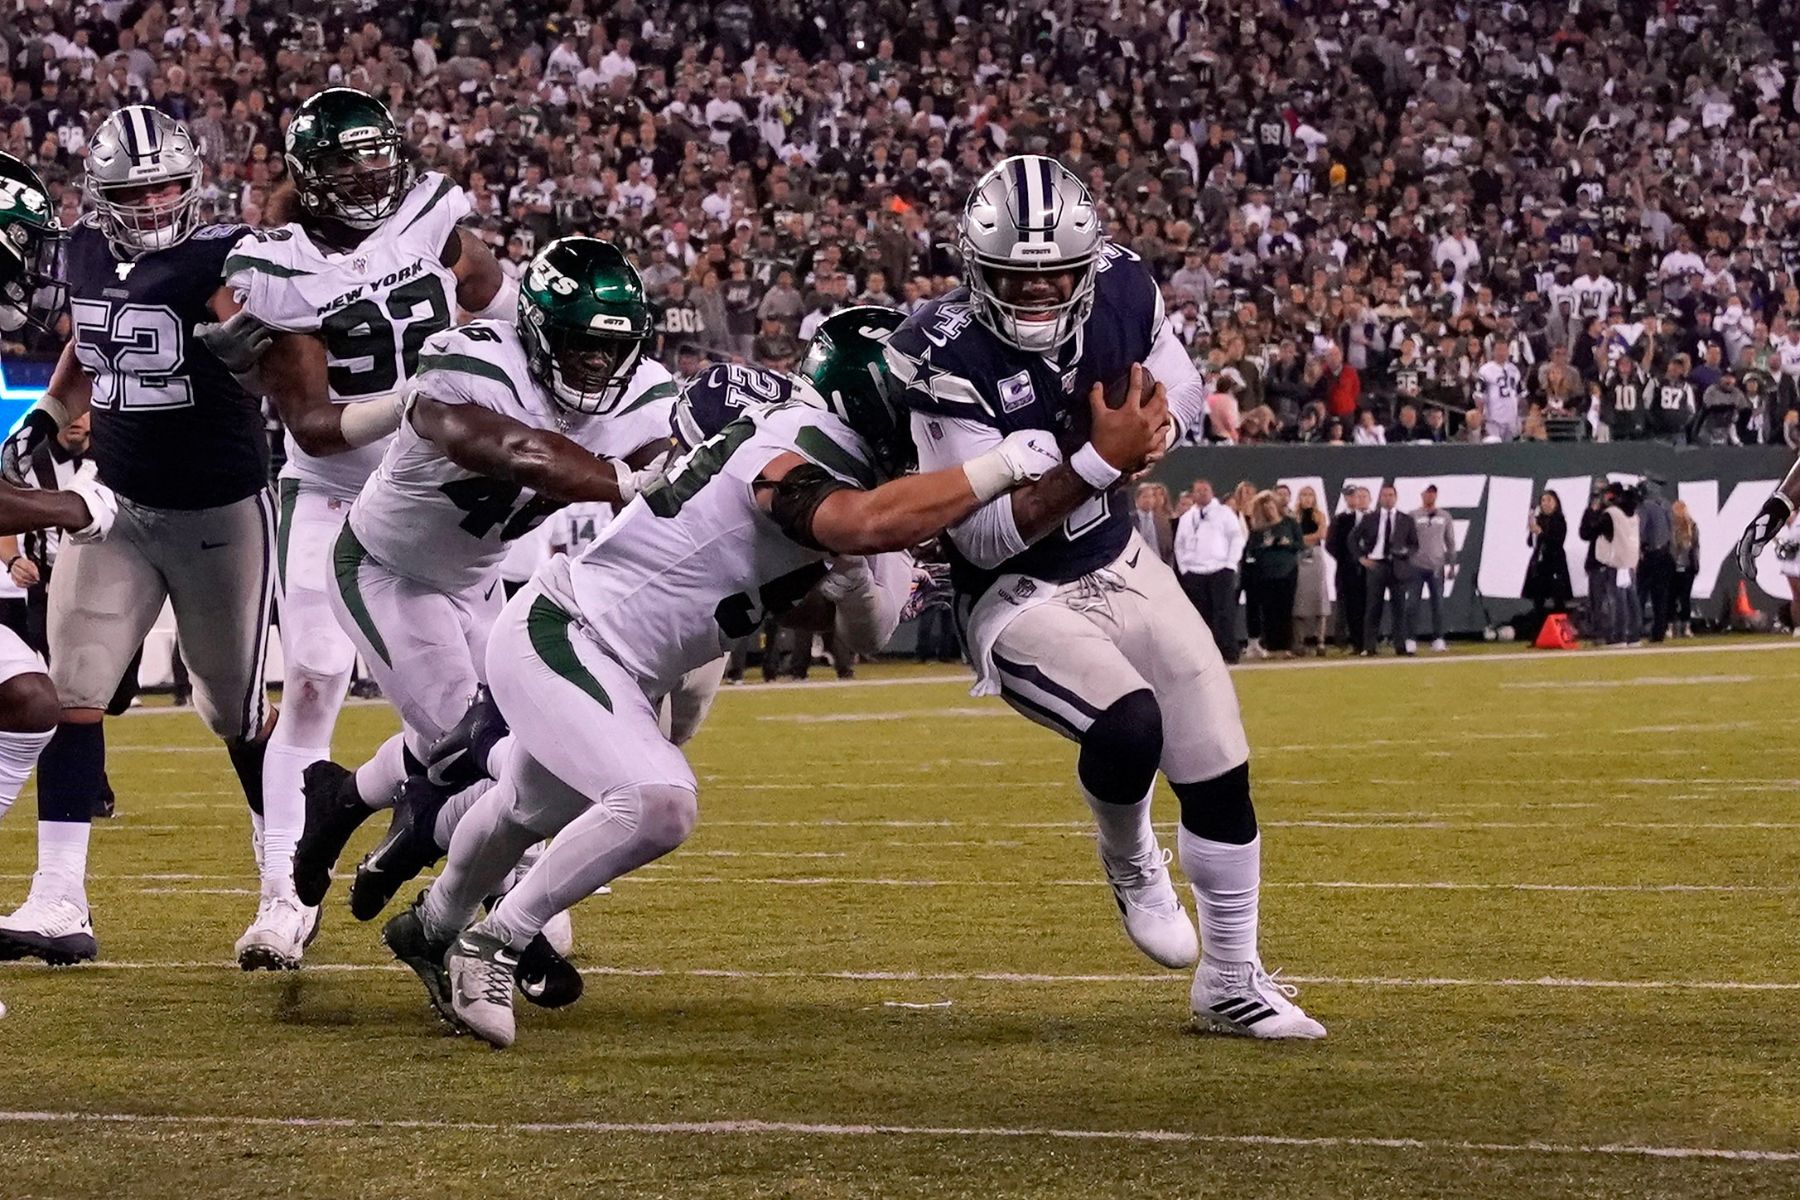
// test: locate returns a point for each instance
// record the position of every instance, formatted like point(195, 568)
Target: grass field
point(1546, 905)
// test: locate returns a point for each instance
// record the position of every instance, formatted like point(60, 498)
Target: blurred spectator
point(1272, 567)
point(1616, 551)
point(1684, 541)
point(1351, 577)
point(1312, 598)
point(1656, 559)
point(1385, 542)
point(1547, 583)
point(1433, 562)
point(1209, 543)
point(1155, 519)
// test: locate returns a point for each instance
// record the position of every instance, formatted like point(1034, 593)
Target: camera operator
point(1611, 525)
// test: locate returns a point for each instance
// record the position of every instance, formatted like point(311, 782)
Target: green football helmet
point(30, 246)
point(584, 322)
point(347, 160)
point(844, 371)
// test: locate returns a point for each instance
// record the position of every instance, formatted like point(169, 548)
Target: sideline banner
point(1491, 491)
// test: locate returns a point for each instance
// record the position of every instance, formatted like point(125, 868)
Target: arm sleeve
point(988, 536)
point(1169, 364)
point(869, 604)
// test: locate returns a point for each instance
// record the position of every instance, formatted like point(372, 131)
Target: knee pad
point(667, 814)
point(1219, 809)
point(1121, 749)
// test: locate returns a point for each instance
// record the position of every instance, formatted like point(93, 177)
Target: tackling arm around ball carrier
point(492, 444)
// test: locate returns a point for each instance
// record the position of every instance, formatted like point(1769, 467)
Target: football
point(1116, 388)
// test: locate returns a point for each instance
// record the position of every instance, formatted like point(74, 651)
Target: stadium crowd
point(1380, 221)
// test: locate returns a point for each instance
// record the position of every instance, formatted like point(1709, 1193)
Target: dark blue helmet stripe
point(1045, 166)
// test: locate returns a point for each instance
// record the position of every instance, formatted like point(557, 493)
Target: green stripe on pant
point(290, 496)
point(347, 559)
point(547, 625)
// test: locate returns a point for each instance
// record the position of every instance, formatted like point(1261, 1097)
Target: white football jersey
point(693, 564)
point(373, 307)
point(422, 516)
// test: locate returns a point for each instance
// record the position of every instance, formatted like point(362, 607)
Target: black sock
point(72, 773)
point(247, 761)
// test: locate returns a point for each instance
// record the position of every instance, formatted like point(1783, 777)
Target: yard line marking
point(761, 1128)
point(1634, 681)
point(1020, 978)
point(658, 875)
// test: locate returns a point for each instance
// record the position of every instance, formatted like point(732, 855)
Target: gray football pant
point(216, 567)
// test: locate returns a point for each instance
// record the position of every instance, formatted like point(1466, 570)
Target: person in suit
point(1385, 541)
point(1155, 519)
point(1350, 576)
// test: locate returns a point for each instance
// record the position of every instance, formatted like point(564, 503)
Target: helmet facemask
point(587, 371)
point(360, 184)
point(31, 275)
point(1001, 295)
point(143, 215)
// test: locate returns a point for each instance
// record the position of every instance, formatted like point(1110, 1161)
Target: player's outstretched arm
point(483, 291)
point(87, 510)
point(488, 443)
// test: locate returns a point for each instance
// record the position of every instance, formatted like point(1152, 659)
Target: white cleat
point(560, 933)
point(279, 935)
point(1438, 646)
point(1245, 1000)
point(482, 969)
point(1154, 919)
point(52, 927)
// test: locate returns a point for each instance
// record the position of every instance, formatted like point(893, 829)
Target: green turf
point(1584, 832)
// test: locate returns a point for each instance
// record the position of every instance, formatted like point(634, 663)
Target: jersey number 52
point(134, 352)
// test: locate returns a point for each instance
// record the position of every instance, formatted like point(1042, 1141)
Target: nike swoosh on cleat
point(533, 987)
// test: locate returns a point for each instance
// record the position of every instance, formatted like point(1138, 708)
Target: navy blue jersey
point(171, 427)
point(721, 394)
point(964, 370)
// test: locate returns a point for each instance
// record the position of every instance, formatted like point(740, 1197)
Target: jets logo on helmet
point(1031, 240)
point(584, 322)
point(348, 162)
point(844, 371)
point(30, 247)
point(143, 180)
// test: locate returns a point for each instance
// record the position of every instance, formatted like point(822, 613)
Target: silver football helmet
point(136, 151)
point(1027, 217)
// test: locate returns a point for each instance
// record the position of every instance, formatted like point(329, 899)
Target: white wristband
point(626, 478)
point(368, 421)
point(989, 475)
point(1098, 473)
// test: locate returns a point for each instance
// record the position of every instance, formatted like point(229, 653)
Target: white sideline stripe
point(1021, 978)
point(1634, 681)
point(890, 881)
point(759, 1128)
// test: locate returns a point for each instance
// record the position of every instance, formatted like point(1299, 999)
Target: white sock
point(1124, 829)
point(18, 756)
point(284, 810)
point(454, 809)
point(62, 858)
point(485, 848)
point(1226, 880)
point(377, 778)
point(498, 755)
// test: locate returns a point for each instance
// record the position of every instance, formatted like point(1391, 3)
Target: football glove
point(1761, 531)
point(238, 342)
point(34, 429)
point(102, 506)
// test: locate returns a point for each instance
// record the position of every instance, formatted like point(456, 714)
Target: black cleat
point(334, 811)
point(546, 978)
point(409, 847)
point(405, 935)
point(459, 758)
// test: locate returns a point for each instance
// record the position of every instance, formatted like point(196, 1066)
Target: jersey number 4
point(135, 353)
point(489, 502)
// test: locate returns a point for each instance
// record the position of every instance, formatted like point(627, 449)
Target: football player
point(337, 304)
point(503, 425)
point(184, 446)
point(740, 527)
point(1773, 517)
point(29, 246)
point(1079, 626)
